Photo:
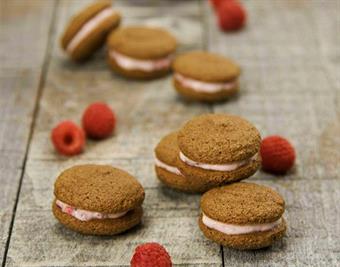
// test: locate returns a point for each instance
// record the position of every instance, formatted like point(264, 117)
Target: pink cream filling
point(217, 167)
point(89, 27)
point(130, 63)
point(85, 215)
point(204, 87)
point(232, 229)
point(167, 167)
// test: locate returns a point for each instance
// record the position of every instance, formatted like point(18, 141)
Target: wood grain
point(289, 86)
point(146, 111)
point(22, 52)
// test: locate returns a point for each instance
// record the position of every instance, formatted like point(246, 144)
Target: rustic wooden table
point(290, 57)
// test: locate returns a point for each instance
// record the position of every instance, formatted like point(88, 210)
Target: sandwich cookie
point(97, 200)
point(141, 52)
point(218, 149)
point(203, 76)
point(87, 31)
point(242, 216)
point(166, 166)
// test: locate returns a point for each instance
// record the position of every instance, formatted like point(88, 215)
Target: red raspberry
point(68, 139)
point(217, 3)
point(231, 15)
point(277, 154)
point(150, 255)
point(98, 120)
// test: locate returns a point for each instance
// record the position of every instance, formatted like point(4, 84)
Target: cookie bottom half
point(99, 227)
point(180, 183)
point(209, 179)
point(245, 241)
point(191, 94)
point(136, 74)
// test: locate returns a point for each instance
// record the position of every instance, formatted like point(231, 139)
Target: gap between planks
point(205, 25)
point(41, 84)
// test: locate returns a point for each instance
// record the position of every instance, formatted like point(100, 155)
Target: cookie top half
point(218, 139)
point(142, 42)
point(205, 66)
point(167, 149)
point(100, 188)
point(78, 21)
point(242, 204)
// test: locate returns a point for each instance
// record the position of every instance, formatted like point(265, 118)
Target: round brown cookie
point(93, 23)
point(99, 189)
point(167, 152)
point(219, 139)
point(100, 226)
point(206, 68)
point(142, 44)
point(243, 205)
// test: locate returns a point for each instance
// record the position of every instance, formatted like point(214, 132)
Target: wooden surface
point(289, 53)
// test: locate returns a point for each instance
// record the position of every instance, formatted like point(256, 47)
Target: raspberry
point(150, 255)
point(231, 15)
point(68, 139)
point(217, 3)
point(98, 120)
point(277, 154)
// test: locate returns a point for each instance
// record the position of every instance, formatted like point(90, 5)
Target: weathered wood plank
point(10, 172)
point(141, 8)
point(327, 30)
point(24, 29)
point(66, 248)
point(289, 87)
point(22, 52)
point(146, 111)
point(18, 93)
point(165, 210)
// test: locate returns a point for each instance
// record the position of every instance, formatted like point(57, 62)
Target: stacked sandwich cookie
point(211, 153)
point(208, 151)
point(141, 52)
point(87, 30)
point(97, 200)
